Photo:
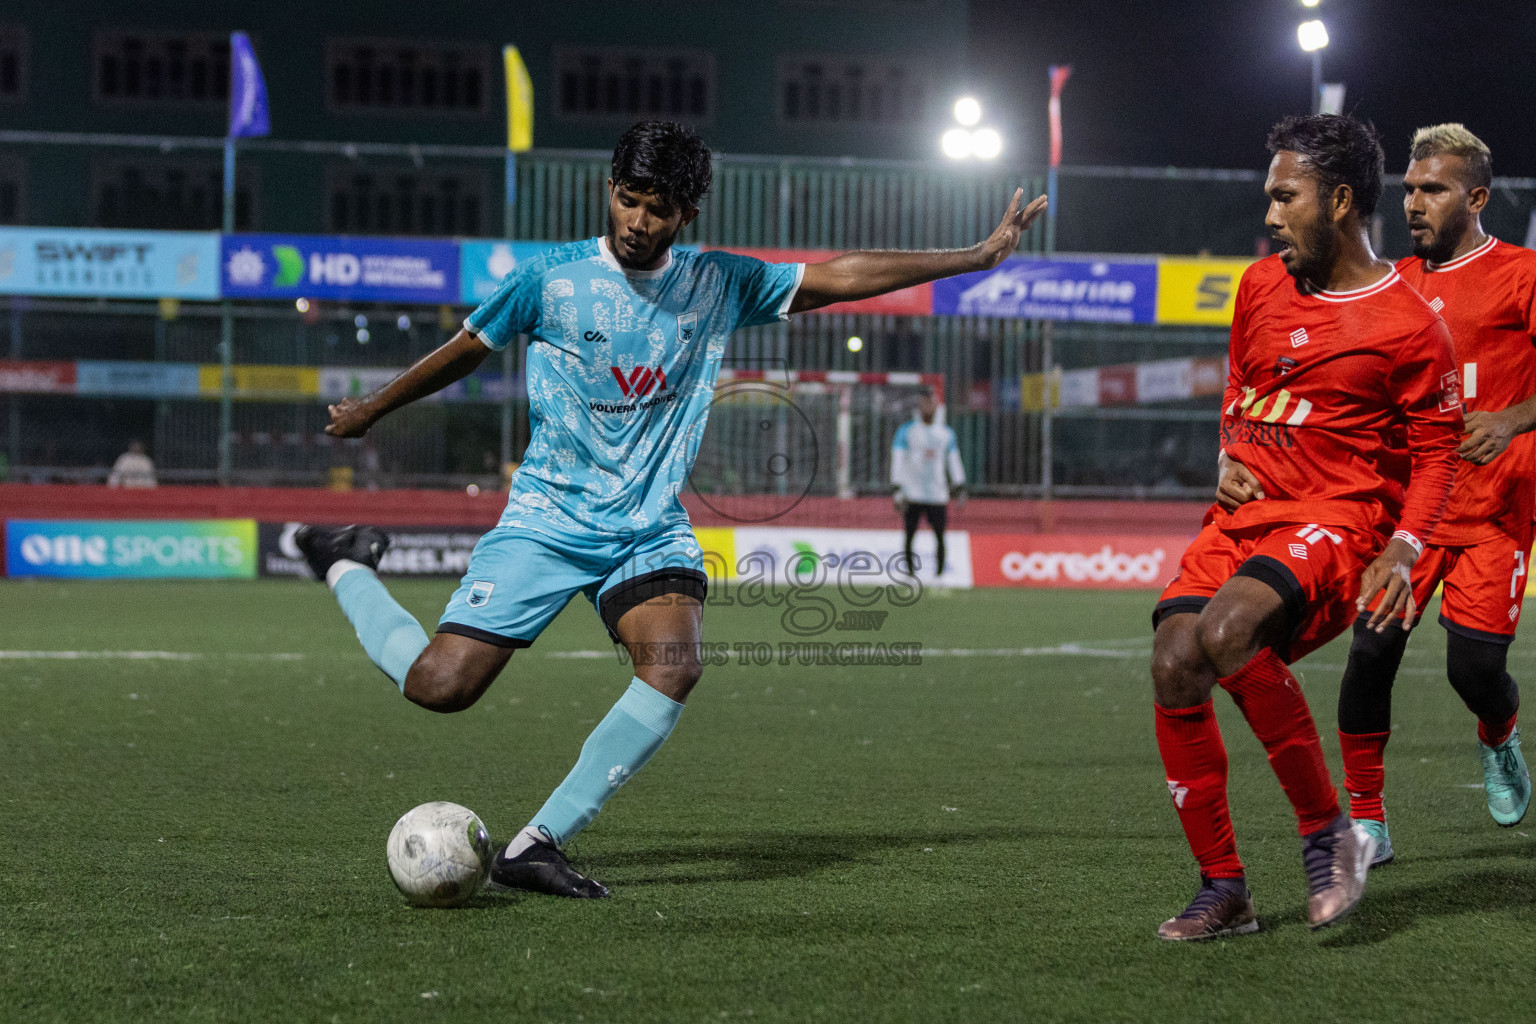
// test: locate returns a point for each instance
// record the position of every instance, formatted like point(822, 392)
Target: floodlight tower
point(1313, 37)
point(967, 140)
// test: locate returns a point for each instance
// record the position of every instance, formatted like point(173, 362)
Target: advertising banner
point(1055, 289)
point(136, 379)
point(413, 551)
point(1081, 561)
point(131, 549)
point(808, 557)
point(341, 267)
point(109, 264)
point(1197, 291)
point(37, 377)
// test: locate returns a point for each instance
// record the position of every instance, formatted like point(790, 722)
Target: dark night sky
point(1196, 83)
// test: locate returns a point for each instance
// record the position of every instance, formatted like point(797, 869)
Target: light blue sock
point(390, 634)
point(623, 741)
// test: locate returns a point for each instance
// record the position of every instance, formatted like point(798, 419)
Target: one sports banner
point(363, 269)
point(131, 549)
point(109, 264)
point(1053, 289)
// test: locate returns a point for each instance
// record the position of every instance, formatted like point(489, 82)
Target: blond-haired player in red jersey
point(1485, 290)
point(1332, 356)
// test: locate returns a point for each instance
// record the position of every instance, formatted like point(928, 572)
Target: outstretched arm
point(859, 275)
point(351, 417)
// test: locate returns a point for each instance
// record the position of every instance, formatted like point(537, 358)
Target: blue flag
point(247, 90)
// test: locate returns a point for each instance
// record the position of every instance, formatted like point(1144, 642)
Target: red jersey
point(1319, 385)
point(1488, 300)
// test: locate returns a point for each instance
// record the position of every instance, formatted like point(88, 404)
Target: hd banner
point(109, 264)
point(341, 267)
point(1053, 289)
point(131, 549)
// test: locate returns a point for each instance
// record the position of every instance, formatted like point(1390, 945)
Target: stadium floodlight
point(1313, 35)
point(956, 143)
point(403, 322)
point(986, 143)
point(855, 344)
point(968, 111)
point(1310, 3)
point(362, 336)
point(302, 305)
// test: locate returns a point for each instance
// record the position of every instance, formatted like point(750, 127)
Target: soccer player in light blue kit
point(625, 338)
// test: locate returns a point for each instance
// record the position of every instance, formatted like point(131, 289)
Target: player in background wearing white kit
point(925, 472)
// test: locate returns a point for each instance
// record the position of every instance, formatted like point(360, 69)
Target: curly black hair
point(1341, 149)
point(663, 158)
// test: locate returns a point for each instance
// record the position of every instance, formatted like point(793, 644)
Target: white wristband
point(1413, 542)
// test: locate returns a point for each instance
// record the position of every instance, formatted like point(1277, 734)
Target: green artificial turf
point(979, 837)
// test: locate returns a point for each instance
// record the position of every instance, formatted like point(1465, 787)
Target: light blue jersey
point(621, 370)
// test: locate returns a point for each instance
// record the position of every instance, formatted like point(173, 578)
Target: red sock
point(1494, 734)
point(1196, 764)
point(1267, 694)
point(1365, 772)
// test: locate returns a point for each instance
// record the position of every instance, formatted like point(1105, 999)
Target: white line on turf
point(1060, 650)
point(138, 656)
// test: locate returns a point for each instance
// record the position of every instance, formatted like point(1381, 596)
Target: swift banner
point(1198, 292)
point(1055, 289)
point(109, 264)
point(131, 549)
point(341, 267)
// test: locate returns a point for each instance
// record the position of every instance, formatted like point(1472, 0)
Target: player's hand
point(960, 499)
point(349, 418)
point(1237, 485)
point(1002, 242)
point(1487, 435)
point(1392, 570)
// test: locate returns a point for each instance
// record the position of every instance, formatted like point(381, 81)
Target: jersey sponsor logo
point(642, 380)
point(596, 337)
point(687, 326)
point(645, 386)
point(1299, 551)
point(1299, 337)
point(1437, 303)
point(1450, 391)
point(1265, 435)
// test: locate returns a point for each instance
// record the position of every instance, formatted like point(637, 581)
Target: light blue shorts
point(519, 580)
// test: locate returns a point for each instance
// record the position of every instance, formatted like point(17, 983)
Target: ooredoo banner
point(131, 548)
point(1084, 561)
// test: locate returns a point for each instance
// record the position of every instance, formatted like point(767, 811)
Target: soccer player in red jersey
point(1485, 290)
point(1332, 356)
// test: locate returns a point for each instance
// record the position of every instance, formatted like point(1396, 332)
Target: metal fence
point(1161, 450)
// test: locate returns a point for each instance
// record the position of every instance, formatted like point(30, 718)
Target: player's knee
point(1227, 636)
point(1181, 675)
point(438, 684)
point(674, 680)
point(1475, 665)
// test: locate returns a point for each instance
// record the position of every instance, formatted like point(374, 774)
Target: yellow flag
point(519, 101)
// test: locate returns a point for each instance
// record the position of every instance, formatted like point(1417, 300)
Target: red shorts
point(1315, 569)
point(1484, 586)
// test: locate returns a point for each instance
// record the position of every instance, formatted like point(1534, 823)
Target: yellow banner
point(262, 381)
point(1197, 291)
point(519, 101)
point(719, 546)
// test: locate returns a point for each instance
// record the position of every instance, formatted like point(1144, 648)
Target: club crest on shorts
point(687, 326)
point(479, 593)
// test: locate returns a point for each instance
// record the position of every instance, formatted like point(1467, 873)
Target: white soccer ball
point(439, 854)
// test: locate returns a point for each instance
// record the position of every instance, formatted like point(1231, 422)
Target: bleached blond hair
point(1454, 139)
